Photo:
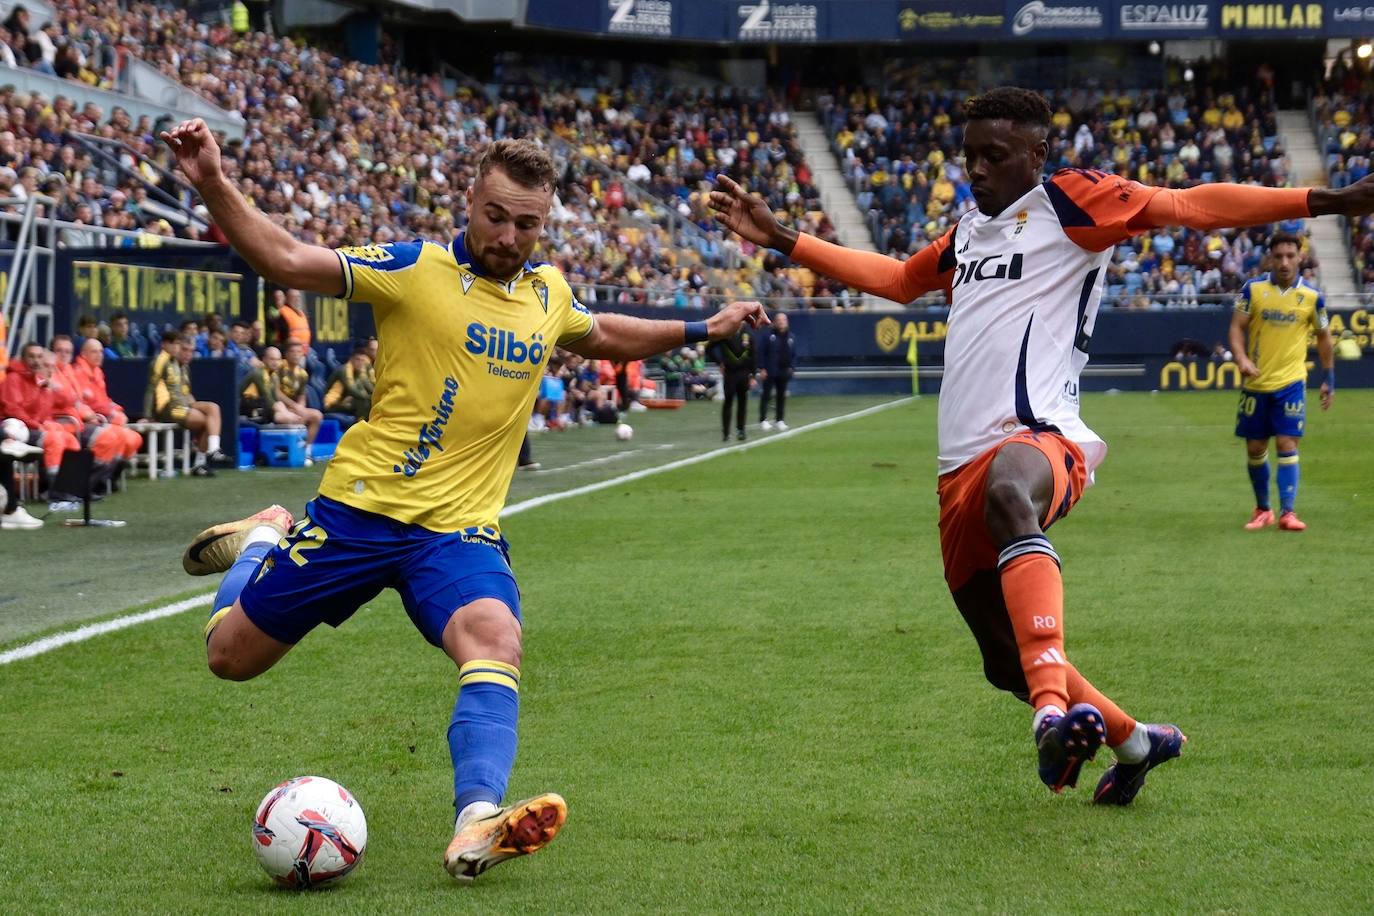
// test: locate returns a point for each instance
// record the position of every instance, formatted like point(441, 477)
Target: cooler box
point(327, 439)
point(283, 447)
point(248, 445)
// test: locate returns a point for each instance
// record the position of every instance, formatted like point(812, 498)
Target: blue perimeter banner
point(764, 22)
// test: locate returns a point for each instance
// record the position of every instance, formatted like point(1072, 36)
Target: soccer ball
point(624, 431)
point(309, 832)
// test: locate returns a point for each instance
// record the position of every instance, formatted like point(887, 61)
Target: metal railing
point(107, 151)
point(24, 303)
point(27, 306)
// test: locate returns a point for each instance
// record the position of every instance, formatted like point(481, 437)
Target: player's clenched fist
point(196, 150)
point(730, 319)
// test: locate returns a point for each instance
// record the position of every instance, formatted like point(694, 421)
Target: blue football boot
point(1122, 781)
point(1067, 742)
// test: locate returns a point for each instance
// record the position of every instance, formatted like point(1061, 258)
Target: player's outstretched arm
point(1224, 205)
point(748, 216)
point(622, 337)
point(268, 249)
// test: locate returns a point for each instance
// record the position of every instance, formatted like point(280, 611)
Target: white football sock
point(1136, 747)
point(263, 534)
point(213, 444)
point(199, 459)
point(474, 811)
point(1041, 713)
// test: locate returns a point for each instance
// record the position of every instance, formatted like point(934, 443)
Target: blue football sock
point(481, 738)
point(1259, 479)
point(236, 580)
point(1288, 480)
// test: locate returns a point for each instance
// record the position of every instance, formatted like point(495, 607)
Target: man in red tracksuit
point(27, 398)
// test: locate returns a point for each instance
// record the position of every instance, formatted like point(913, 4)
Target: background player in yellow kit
point(412, 497)
point(1269, 329)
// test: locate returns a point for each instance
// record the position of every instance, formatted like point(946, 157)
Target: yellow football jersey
point(460, 360)
point(1280, 320)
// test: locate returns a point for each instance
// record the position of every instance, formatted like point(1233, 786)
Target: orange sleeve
point(1097, 209)
point(929, 269)
point(1217, 206)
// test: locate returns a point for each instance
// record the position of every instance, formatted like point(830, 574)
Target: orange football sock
point(1119, 725)
point(1034, 595)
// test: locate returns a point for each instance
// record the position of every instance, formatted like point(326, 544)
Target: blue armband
point(694, 332)
point(1330, 378)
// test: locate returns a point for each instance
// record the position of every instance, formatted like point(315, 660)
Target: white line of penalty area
point(90, 631)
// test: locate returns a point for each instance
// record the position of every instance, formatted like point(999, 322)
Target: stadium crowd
point(899, 151)
point(1343, 116)
point(334, 167)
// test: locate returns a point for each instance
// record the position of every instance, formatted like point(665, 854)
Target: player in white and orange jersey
point(1025, 272)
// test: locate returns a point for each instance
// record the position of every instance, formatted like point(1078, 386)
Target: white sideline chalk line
point(92, 630)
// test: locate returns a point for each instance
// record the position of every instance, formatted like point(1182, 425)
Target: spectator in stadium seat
point(90, 374)
point(292, 381)
point(217, 346)
point(87, 328)
point(108, 441)
point(259, 399)
point(776, 360)
point(27, 398)
point(240, 337)
point(348, 394)
point(121, 347)
point(169, 400)
point(13, 516)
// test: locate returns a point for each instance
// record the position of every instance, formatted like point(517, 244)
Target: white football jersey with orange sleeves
point(1025, 289)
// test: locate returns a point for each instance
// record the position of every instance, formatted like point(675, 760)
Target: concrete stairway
point(835, 194)
point(836, 197)
point(1329, 239)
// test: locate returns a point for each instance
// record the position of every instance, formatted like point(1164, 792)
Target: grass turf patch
point(749, 681)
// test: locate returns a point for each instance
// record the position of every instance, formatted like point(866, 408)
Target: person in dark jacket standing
point(777, 357)
point(736, 358)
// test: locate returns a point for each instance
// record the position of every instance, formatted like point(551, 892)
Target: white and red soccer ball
point(309, 832)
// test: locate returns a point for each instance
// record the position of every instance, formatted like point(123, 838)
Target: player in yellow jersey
point(1269, 329)
point(1268, 335)
point(412, 498)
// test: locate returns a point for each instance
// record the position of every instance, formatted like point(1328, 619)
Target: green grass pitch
point(750, 683)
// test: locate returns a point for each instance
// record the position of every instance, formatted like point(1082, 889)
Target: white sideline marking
point(544, 500)
point(604, 459)
point(81, 634)
point(57, 640)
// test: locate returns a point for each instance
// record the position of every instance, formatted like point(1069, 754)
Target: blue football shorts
point(337, 558)
point(1262, 414)
point(552, 388)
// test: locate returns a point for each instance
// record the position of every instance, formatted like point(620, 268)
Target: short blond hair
point(524, 161)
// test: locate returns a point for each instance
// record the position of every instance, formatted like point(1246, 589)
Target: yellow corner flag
point(912, 358)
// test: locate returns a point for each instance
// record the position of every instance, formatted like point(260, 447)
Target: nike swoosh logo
point(197, 549)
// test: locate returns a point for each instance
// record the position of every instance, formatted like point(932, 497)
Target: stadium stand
point(1342, 112)
point(899, 152)
point(335, 168)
